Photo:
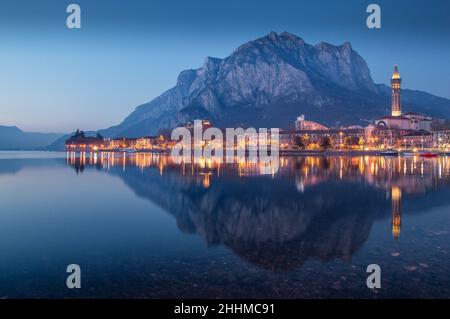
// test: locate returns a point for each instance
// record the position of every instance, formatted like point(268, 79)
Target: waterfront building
point(150, 142)
point(398, 122)
point(386, 137)
point(122, 143)
point(144, 143)
point(85, 144)
point(417, 139)
point(312, 139)
point(303, 125)
point(406, 121)
point(418, 121)
point(287, 139)
point(441, 138)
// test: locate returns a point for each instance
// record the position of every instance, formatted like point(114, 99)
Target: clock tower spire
point(396, 82)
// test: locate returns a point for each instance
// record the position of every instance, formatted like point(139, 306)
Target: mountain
point(268, 82)
point(13, 138)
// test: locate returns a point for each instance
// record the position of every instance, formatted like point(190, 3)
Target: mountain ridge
point(266, 82)
point(13, 138)
point(269, 81)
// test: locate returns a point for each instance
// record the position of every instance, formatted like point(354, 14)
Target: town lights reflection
point(396, 176)
point(376, 170)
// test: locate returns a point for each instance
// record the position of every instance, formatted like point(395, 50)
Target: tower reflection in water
point(396, 196)
point(313, 207)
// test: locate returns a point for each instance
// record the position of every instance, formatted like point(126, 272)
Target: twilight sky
point(53, 79)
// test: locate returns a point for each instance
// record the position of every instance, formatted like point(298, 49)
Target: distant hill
point(13, 138)
point(268, 82)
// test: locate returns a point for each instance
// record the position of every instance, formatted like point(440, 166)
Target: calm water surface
point(141, 226)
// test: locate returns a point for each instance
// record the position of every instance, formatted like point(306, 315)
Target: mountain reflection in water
point(313, 208)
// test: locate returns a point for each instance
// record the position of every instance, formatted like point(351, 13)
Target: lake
point(141, 226)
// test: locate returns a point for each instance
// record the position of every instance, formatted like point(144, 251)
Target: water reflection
point(313, 208)
point(396, 198)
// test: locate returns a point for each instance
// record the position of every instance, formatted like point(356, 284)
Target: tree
point(361, 141)
point(325, 142)
point(299, 142)
point(79, 134)
point(99, 136)
point(351, 141)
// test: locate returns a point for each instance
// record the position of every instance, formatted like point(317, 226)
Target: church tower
point(395, 85)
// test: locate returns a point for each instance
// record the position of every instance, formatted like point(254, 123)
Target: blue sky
point(128, 52)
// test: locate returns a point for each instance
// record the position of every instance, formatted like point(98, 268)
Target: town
point(406, 132)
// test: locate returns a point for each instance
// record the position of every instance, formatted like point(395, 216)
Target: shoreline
point(356, 152)
point(292, 152)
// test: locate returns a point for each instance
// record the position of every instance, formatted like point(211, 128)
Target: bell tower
point(396, 82)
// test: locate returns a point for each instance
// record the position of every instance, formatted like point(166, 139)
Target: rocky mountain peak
point(267, 82)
